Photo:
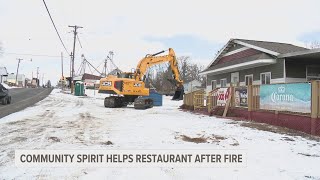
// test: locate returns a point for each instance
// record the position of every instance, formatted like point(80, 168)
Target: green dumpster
point(79, 89)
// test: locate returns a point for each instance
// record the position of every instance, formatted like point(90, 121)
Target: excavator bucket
point(178, 94)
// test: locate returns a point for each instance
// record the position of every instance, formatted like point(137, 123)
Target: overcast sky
point(133, 29)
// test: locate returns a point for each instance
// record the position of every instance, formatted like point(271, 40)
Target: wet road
point(22, 98)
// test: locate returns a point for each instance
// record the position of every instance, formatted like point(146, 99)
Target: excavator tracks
point(114, 102)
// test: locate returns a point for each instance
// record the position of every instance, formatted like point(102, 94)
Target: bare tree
point(184, 63)
point(163, 80)
point(313, 44)
point(189, 71)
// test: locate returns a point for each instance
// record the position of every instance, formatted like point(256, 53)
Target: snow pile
point(63, 121)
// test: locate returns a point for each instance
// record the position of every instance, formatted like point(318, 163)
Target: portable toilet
point(79, 89)
point(157, 98)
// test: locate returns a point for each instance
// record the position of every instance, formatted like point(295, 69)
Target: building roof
point(309, 53)
point(87, 76)
point(241, 60)
point(270, 49)
point(90, 76)
point(277, 47)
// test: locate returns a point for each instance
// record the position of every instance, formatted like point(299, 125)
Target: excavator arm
point(153, 59)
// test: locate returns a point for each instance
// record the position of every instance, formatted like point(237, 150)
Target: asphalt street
point(23, 98)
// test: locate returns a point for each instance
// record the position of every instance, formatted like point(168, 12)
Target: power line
point(79, 40)
point(55, 27)
point(41, 55)
point(74, 49)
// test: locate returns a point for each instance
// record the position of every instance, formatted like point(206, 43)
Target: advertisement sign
point(241, 97)
point(223, 94)
point(286, 97)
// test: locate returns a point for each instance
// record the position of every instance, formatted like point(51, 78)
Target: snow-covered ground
point(65, 122)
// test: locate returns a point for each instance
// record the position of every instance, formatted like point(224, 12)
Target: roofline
point(238, 41)
point(299, 53)
point(271, 61)
point(256, 47)
point(222, 49)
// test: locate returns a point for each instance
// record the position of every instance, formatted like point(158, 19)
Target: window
point(249, 79)
point(223, 82)
point(235, 79)
point(313, 73)
point(265, 78)
point(214, 84)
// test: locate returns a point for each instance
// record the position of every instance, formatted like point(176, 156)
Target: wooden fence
point(212, 99)
point(201, 100)
point(253, 97)
point(189, 98)
point(315, 99)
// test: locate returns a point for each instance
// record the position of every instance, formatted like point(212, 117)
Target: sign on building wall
point(223, 94)
point(286, 97)
point(241, 97)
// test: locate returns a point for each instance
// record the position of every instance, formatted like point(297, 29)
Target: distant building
point(115, 72)
point(86, 76)
point(11, 79)
point(35, 82)
point(191, 86)
point(89, 80)
point(3, 74)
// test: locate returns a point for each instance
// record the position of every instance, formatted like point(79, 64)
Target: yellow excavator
point(129, 87)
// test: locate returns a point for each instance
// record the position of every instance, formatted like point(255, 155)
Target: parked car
point(5, 98)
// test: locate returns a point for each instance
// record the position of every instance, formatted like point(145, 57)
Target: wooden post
point(208, 103)
point(232, 91)
point(318, 82)
point(227, 103)
point(193, 100)
point(250, 97)
point(314, 105)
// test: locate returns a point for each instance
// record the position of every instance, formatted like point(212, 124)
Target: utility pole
point(42, 78)
point(105, 67)
point(38, 77)
point(62, 78)
point(73, 54)
point(62, 64)
point(110, 57)
point(70, 64)
point(19, 60)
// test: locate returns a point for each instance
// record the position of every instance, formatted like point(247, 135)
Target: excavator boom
point(153, 59)
point(127, 87)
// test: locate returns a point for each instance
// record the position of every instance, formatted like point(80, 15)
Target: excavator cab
point(128, 75)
